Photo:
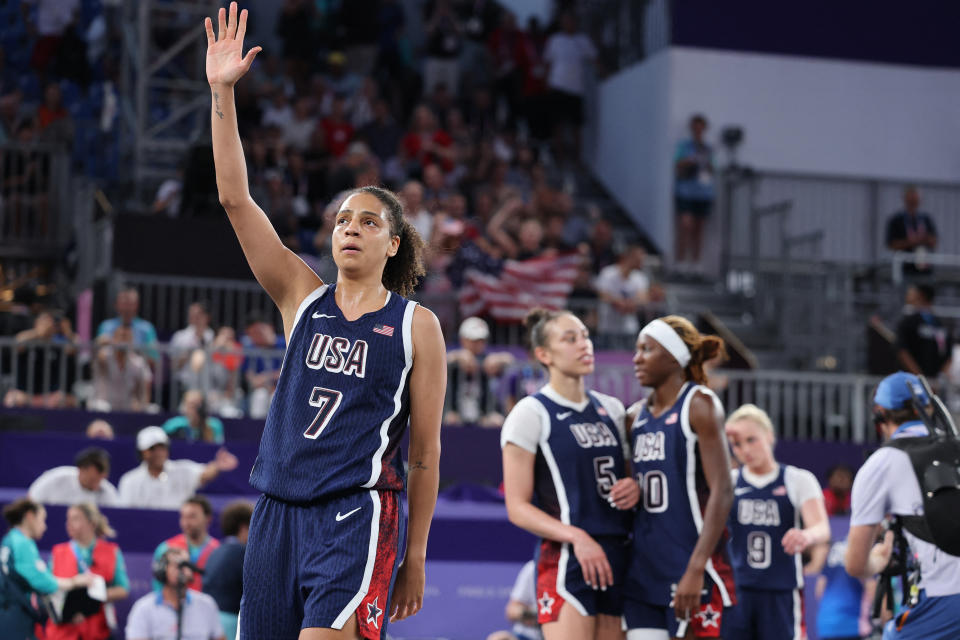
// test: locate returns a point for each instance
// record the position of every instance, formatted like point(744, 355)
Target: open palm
point(225, 60)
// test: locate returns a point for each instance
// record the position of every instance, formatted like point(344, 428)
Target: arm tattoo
point(216, 98)
point(418, 465)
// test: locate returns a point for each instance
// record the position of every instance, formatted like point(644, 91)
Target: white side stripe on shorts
point(368, 569)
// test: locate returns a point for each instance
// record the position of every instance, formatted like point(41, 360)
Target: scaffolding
point(165, 100)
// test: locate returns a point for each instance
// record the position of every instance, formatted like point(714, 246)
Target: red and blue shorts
point(560, 580)
point(317, 564)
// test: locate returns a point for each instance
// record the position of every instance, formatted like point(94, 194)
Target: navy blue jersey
point(759, 519)
point(341, 404)
point(578, 462)
point(579, 457)
point(666, 461)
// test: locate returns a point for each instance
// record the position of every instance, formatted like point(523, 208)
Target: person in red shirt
point(338, 131)
point(837, 494)
point(52, 108)
point(426, 143)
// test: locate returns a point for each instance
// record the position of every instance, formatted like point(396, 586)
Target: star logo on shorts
point(546, 604)
point(374, 612)
point(709, 617)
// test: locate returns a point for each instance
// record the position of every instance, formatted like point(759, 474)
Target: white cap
point(150, 437)
point(474, 328)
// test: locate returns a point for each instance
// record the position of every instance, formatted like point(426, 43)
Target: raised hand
point(225, 60)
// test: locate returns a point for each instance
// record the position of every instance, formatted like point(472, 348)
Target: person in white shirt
point(85, 481)
point(416, 213)
point(197, 334)
point(154, 616)
point(567, 53)
point(623, 289)
point(522, 607)
point(887, 484)
point(161, 483)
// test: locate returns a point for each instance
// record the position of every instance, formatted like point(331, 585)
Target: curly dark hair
point(404, 270)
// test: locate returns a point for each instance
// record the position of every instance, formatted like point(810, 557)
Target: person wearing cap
point(162, 483)
point(885, 485)
point(470, 370)
point(84, 481)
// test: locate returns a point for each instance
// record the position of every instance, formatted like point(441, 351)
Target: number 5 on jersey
point(327, 401)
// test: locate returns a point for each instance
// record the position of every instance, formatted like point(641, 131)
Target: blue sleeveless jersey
point(666, 461)
point(838, 615)
point(759, 519)
point(341, 403)
point(578, 462)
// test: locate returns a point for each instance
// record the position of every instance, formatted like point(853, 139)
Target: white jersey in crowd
point(885, 484)
point(178, 481)
point(611, 281)
point(61, 485)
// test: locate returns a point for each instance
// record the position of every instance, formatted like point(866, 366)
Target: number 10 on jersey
point(326, 401)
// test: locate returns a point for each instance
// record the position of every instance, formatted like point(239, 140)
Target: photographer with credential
point(888, 484)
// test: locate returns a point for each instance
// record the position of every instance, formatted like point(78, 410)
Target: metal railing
point(851, 213)
point(34, 192)
point(803, 406)
point(62, 374)
point(813, 249)
point(165, 299)
point(902, 258)
point(626, 31)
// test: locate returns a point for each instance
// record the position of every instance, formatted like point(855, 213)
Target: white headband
point(669, 339)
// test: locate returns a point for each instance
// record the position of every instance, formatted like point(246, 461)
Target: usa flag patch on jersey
point(383, 329)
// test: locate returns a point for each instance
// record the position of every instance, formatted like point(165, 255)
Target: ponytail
point(535, 323)
point(101, 526)
point(16, 511)
point(702, 348)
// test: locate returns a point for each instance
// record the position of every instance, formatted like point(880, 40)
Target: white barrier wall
point(800, 115)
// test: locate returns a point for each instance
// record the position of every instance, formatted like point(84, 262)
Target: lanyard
point(82, 566)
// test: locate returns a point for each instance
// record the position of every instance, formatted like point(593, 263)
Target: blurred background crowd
point(618, 158)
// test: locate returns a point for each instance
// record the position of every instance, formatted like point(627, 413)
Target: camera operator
point(175, 612)
point(887, 484)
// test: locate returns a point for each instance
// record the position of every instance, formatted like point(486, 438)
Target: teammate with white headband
point(680, 580)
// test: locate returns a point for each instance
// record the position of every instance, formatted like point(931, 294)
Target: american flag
point(520, 286)
point(383, 329)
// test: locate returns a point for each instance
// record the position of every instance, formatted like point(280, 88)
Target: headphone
point(159, 568)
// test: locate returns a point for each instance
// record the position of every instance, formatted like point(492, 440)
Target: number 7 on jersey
point(327, 401)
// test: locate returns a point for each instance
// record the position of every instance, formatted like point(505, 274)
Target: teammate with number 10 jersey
point(566, 481)
point(323, 552)
point(680, 576)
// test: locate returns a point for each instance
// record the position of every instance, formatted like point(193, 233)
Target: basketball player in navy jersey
point(566, 480)
point(361, 361)
point(680, 582)
point(766, 538)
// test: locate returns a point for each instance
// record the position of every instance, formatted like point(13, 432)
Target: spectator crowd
point(462, 125)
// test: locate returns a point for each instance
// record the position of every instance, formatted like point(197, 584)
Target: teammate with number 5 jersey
point(566, 480)
point(361, 362)
point(766, 539)
point(680, 583)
